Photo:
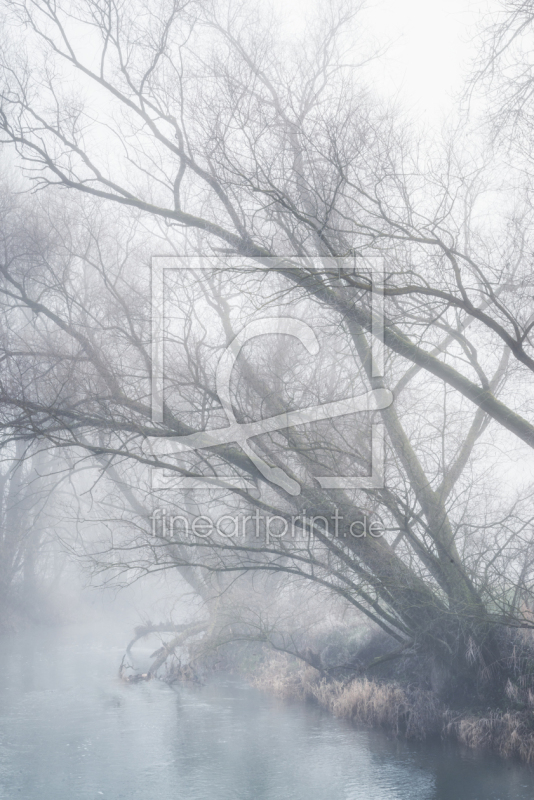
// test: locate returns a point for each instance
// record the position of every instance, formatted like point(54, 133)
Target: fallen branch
point(163, 627)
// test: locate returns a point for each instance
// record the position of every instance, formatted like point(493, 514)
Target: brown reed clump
point(286, 678)
point(383, 705)
point(414, 713)
point(508, 733)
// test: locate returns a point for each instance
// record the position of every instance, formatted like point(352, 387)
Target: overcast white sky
point(432, 43)
point(432, 47)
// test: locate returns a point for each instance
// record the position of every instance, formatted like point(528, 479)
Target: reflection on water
point(69, 730)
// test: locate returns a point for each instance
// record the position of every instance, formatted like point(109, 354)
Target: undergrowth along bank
point(412, 712)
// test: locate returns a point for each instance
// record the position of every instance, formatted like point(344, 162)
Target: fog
point(265, 422)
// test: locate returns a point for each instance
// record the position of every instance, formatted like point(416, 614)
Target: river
point(69, 730)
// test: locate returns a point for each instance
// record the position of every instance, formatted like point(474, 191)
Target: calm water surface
point(69, 729)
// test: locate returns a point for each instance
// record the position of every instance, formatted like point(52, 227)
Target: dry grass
point(508, 733)
point(414, 713)
point(383, 705)
point(285, 678)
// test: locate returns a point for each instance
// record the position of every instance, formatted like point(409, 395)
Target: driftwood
point(163, 627)
point(160, 656)
point(135, 678)
point(177, 672)
point(162, 653)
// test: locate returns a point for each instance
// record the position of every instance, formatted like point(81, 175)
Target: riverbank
point(69, 728)
point(396, 700)
point(406, 711)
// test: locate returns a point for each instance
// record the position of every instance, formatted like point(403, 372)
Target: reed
point(508, 733)
point(411, 712)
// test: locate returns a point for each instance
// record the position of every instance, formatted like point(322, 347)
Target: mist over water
point(266, 428)
point(70, 729)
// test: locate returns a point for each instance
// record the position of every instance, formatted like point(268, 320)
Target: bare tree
point(193, 122)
